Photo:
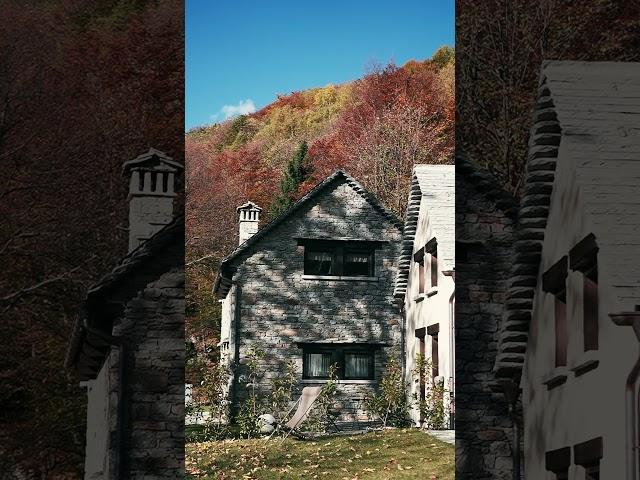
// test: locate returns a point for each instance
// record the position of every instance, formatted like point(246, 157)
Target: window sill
point(585, 363)
point(341, 382)
point(420, 297)
point(340, 278)
point(432, 291)
point(555, 378)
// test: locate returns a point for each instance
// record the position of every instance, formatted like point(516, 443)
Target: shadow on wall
point(278, 308)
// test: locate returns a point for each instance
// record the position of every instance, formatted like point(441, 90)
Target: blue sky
point(241, 54)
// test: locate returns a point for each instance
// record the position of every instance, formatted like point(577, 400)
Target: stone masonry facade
point(278, 308)
point(154, 328)
point(484, 239)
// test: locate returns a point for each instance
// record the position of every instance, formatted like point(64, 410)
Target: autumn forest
point(376, 128)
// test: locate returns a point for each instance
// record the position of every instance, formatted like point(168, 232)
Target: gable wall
point(421, 313)
point(592, 404)
point(278, 307)
point(154, 329)
point(483, 428)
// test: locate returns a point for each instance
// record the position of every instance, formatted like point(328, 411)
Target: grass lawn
point(391, 454)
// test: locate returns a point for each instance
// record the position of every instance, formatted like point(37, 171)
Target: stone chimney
point(151, 192)
point(249, 217)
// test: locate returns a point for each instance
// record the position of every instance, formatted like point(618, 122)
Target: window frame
point(558, 462)
point(418, 258)
point(308, 251)
point(588, 455)
point(433, 332)
point(431, 248)
point(338, 352)
point(338, 249)
point(554, 282)
point(583, 258)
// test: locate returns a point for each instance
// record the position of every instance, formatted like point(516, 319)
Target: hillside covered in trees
point(84, 86)
point(376, 128)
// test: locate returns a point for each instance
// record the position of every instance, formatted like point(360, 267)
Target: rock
point(266, 429)
point(267, 419)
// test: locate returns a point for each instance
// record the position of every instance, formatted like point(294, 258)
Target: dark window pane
point(434, 271)
point(421, 277)
point(562, 338)
point(316, 365)
point(590, 306)
point(357, 264)
point(435, 363)
point(318, 263)
point(358, 365)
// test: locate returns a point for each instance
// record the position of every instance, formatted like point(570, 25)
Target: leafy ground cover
point(389, 454)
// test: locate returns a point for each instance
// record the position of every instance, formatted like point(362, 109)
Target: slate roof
point(433, 185)
point(86, 352)
point(591, 109)
point(229, 264)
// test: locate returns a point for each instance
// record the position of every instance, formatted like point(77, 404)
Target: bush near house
point(389, 454)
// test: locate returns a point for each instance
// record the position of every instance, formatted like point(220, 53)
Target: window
point(420, 257)
point(420, 334)
point(583, 258)
point(433, 331)
point(339, 258)
point(588, 455)
point(558, 462)
point(354, 361)
point(562, 335)
point(317, 262)
point(316, 364)
point(432, 249)
point(554, 282)
point(358, 263)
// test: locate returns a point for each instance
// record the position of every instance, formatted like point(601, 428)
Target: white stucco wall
point(97, 441)
point(590, 405)
point(423, 311)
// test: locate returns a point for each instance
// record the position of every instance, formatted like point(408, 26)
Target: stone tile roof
point(229, 264)
point(139, 267)
point(593, 109)
point(433, 185)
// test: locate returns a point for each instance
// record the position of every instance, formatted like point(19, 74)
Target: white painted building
point(576, 280)
point(425, 284)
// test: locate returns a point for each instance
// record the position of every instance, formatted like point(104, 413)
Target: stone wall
point(279, 308)
point(484, 239)
point(154, 329)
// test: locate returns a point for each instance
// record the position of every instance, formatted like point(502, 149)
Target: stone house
point(485, 220)
point(127, 345)
point(425, 284)
point(314, 286)
point(565, 337)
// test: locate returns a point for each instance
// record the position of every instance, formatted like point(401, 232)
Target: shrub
point(389, 404)
point(282, 390)
point(318, 417)
point(247, 417)
point(432, 408)
point(213, 391)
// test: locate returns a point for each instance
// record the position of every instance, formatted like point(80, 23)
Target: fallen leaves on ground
point(386, 455)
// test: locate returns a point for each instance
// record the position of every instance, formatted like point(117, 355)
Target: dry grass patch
point(392, 454)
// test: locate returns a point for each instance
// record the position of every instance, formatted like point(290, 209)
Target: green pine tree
point(297, 172)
